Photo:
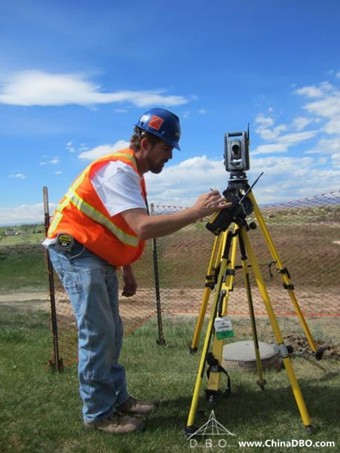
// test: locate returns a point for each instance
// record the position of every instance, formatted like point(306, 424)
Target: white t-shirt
point(118, 187)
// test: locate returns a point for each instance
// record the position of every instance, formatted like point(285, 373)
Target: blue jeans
point(91, 284)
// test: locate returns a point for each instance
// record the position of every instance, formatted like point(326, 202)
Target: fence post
point(56, 362)
point(161, 340)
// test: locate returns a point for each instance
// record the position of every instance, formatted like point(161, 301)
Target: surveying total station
point(231, 228)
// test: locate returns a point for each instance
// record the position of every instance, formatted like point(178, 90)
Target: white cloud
point(281, 143)
point(310, 92)
point(330, 145)
point(300, 122)
point(264, 121)
point(26, 213)
point(314, 91)
point(50, 161)
point(36, 87)
point(267, 131)
point(325, 110)
point(17, 176)
point(271, 134)
point(336, 160)
point(327, 107)
point(333, 126)
point(326, 147)
point(70, 147)
point(180, 184)
point(272, 148)
point(287, 175)
point(297, 137)
point(103, 150)
point(284, 178)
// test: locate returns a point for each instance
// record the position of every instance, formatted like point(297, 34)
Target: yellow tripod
point(220, 277)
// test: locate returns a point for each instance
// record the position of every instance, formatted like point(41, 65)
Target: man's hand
point(130, 283)
point(210, 202)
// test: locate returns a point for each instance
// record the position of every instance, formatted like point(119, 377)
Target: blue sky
point(75, 76)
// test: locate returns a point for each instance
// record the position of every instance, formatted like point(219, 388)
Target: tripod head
point(236, 194)
point(236, 161)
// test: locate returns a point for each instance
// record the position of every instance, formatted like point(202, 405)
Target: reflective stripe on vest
point(95, 215)
point(72, 197)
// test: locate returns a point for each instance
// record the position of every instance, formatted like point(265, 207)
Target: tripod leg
point(215, 258)
point(213, 385)
point(278, 336)
point(261, 382)
point(200, 373)
point(221, 276)
point(285, 277)
point(229, 283)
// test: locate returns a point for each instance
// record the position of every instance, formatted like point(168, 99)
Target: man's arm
point(147, 227)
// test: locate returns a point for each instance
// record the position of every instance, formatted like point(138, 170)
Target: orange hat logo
point(155, 122)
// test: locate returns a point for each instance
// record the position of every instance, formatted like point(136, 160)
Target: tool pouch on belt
point(65, 242)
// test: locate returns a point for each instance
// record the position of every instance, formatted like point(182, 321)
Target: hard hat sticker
point(155, 122)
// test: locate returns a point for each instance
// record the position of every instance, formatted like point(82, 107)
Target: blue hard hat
point(163, 124)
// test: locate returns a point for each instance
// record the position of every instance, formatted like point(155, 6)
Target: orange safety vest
point(82, 214)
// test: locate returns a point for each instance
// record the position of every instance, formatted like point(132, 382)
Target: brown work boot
point(117, 424)
point(135, 407)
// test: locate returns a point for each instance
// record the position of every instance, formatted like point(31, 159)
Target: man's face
point(158, 155)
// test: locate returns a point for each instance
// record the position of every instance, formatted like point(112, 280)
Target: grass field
point(41, 410)
point(22, 267)
point(306, 244)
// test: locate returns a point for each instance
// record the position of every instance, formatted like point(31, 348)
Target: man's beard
point(156, 169)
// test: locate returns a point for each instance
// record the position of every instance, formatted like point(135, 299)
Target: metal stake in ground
point(57, 362)
point(161, 340)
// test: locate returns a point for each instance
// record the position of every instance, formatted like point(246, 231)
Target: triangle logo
point(212, 428)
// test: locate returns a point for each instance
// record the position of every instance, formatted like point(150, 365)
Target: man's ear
point(145, 144)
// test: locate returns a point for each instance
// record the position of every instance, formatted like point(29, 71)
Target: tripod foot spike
point(261, 384)
point(212, 401)
point(191, 349)
point(190, 430)
point(319, 353)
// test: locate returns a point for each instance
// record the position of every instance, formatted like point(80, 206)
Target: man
point(99, 226)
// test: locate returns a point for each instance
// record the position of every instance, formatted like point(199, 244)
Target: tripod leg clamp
point(283, 350)
point(215, 368)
